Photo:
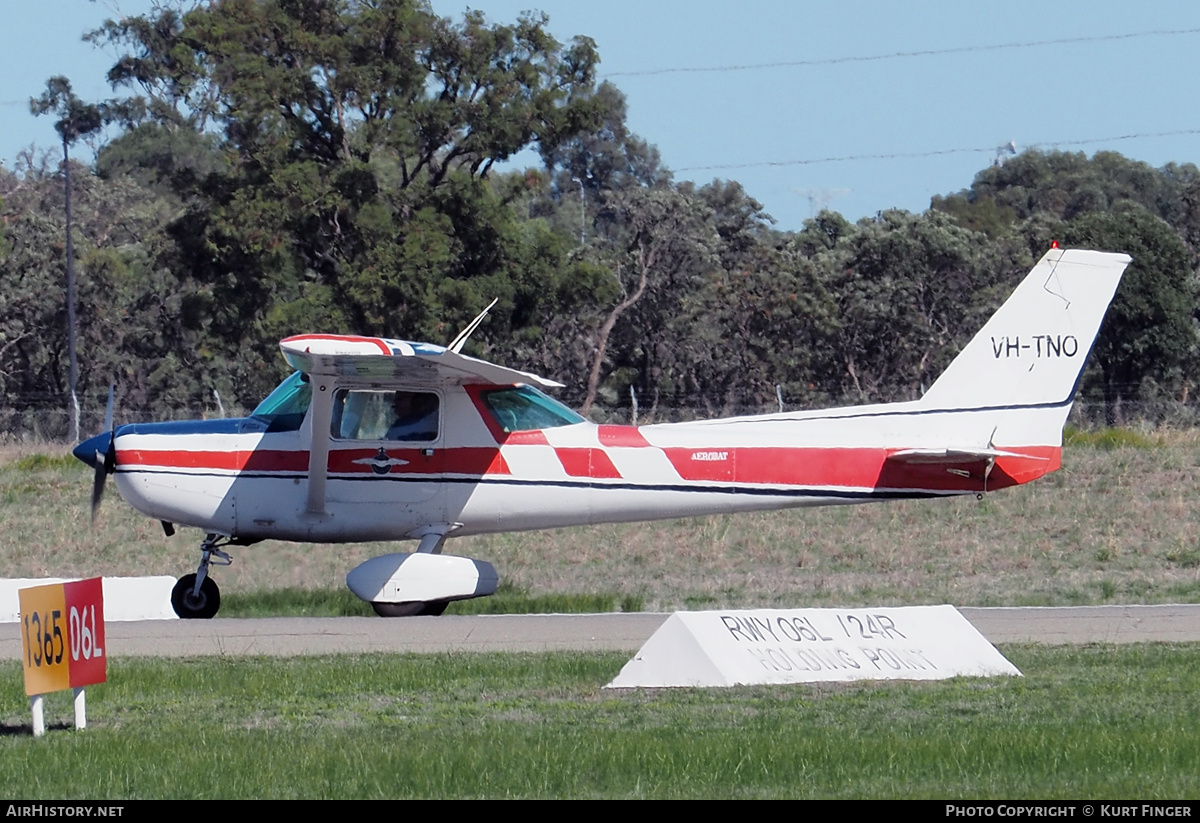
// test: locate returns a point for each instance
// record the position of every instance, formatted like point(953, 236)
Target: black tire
point(201, 607)
point(411, 608)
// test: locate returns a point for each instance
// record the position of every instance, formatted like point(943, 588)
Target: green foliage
point(350, 183)
point(38, 462)
point(909, 291)
point(341, 602)
point(124, 302)
point(75, 118)
point(1148, 333)
point(1109, 439)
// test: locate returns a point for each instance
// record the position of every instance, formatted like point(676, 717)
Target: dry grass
point(1116, 525)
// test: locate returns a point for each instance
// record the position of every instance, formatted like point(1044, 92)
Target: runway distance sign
point(62, 636)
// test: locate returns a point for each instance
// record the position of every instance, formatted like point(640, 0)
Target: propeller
point(100, 452)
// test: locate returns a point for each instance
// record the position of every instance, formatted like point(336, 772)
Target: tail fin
point(1032, 351)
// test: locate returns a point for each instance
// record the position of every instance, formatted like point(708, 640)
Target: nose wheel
point(196, 596)
point(195, 606)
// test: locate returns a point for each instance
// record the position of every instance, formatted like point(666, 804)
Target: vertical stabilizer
point(1033, 349)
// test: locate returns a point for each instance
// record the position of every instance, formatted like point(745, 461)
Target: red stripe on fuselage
point(469, 461)
point(587, 463)
point(855, 468)
point(622, 436)
point(475, 462)
point(863, 468)
point(263, 460)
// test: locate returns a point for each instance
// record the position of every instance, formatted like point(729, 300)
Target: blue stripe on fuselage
point(229, 425)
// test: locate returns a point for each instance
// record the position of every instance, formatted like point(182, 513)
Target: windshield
point(284, 408)
point(523, 408)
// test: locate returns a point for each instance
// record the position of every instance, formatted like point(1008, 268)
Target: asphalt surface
point(291, 636)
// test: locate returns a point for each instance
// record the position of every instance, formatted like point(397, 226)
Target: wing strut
point(318, 448)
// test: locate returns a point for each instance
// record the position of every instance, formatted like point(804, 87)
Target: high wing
point(326, 356)
point(341, 356)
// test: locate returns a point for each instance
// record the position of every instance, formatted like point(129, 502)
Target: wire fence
point(52, 426)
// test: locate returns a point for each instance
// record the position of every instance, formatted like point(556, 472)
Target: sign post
point(62, 643)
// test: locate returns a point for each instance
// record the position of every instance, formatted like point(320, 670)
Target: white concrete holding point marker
point(764, 646)
point(126, 598)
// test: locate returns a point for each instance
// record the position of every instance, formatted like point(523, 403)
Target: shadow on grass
point(509, 599)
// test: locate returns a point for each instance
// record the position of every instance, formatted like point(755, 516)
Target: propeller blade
point(98, 481)
point(100, 452)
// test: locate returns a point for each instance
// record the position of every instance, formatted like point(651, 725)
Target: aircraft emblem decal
point(381, 463)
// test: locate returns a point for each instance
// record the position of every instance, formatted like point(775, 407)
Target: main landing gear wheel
point(412, 608)
point(200, 606)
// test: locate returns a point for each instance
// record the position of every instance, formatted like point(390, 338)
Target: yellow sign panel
point(44, 639)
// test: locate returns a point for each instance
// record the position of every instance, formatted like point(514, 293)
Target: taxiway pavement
point(293, 636)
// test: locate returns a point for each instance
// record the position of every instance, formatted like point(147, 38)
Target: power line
point(832, 61)
point(934, 153)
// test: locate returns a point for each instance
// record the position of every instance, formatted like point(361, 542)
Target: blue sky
point(915, 126)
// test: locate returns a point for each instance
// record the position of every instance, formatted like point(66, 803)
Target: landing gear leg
point(196, 596)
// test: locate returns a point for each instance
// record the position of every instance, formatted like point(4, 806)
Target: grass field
point(1118, 524)
point(1092, 722)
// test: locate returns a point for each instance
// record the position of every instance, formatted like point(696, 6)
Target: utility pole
point(75, 119)
point(72, 359)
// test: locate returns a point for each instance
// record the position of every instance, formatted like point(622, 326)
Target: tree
point(350, 185)
point(910, 290)
point(75, 119)
point(127, 308)
point(661, 242)
point(1148, 334)
point(754, 321)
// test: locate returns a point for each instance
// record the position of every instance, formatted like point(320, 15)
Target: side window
point(367, 414)
point(524, 408)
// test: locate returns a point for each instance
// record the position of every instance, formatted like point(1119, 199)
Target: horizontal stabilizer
point(952, 457)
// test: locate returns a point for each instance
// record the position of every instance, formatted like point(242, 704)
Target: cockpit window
point(284, 408)
point(369, 414)
point(523, 408)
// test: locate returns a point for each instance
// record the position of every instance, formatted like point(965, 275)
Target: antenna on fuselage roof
point(457, 343)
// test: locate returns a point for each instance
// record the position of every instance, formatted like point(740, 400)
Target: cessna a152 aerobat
point(373, 439)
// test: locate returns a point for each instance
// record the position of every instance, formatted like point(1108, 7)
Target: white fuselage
point(235, 478)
